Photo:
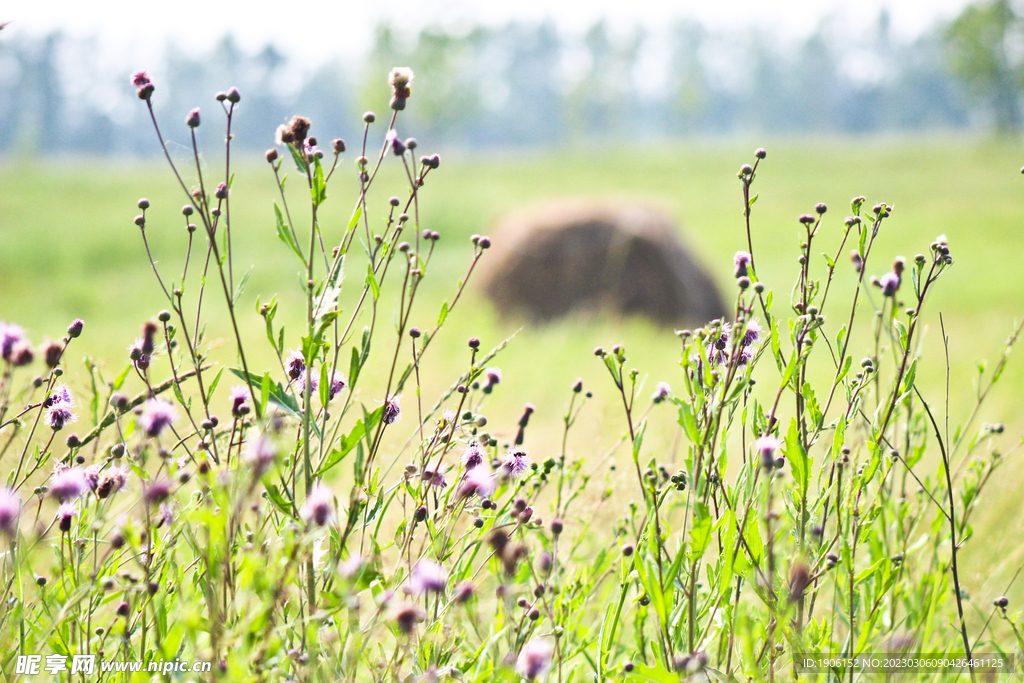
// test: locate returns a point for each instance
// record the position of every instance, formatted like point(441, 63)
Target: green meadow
point(69, 248)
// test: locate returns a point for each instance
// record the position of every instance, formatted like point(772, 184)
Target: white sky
point(318, 29)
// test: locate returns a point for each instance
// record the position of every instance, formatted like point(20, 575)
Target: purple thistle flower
point(92, 475)
point(407, 615)
point(890, 282)
point(741, 260)
point(661, 392)
point(478, 481)
point(433, 474)
point(11, 335)
point(427, 577)
point(59, 416)
point(140, 79)
point(314, 383)
point(464, 592)
point(295, 364)
point(165, 515)
point(111, 481)
point(68, 483)
point(746, 355)
point(65, 513)
point(157, 415)
point(752, 333)
point(260, 453)
point(137, 354)
point(318, 507)
point(766, 446)
point(338, 383)
point(10, 510)
point(392, 410)
point(473, 456)
point(515, 463)
point(240, 397)
point(156, 491)
point(448, 416)
point(534, 659)
point(22, 355)
point(395, 142)
point(60, 394)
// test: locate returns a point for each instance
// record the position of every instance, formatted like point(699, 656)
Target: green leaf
point(279, 501)
point(319, 188)
point(119, 380)
point(797, 457)
point(443, 314)
point(285, 233)
point(657, 673)
point(688, 422)
point(213, 384)
point(297, 157)
point(700, 532)
point(350, 440)
point(274, 393)
point(371, 281)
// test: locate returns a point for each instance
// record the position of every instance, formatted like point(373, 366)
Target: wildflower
point(392, 412)
point(534, 659)
point(52, 351)
point(741, 260)
point(260, 453)
point(114, 479)
point(192, 120)
point(766, 446)
point(11, 335)
point(240, 397)
point(65, 513)
point(477, 481)
point(407, 615)
point(492, 376)
point(295, 364)
point(448, 417)
point(68, 483)
point(165, 516)
point(92, 476)
point(751, 334)
point(138, 355)
point(295, 131)
point(427, 577)
point(157, 415)
point(156, 491)
point(464, 592)
point(319, 506)
point(351, 567)
point(314, 383)
point(746, 355)
point(338, 383)
point(144, 86)
point(10, 510)
point(60, 394)
point(400, 79)
point(473, 456)
point(394, 142)
point(22, 355)
point(433, 474)
point(661, 392)
point(515, 463)
point(890, 282)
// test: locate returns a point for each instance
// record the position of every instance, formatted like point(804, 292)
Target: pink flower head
point(741, 261)
point(478, 481)
point(295, 364)
point(433, 474)
point(752, 333)
point(661, 392)
point(515, 463)
point(114, 479)
point(68, 483)
point(11, 335)
point(474, 455)
point(157, 415)
point(427, 577)
point(890, 282)
point(260, 453)
point(140, 79)
point(240, 397)
point(338, 383)
point(534, 659)
point(392, 410)
point(65, 513)
point(319, 506)
point(10, 510)
point(58, 416)
point(766, 446)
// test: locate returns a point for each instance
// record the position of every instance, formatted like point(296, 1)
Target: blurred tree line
point(532, 85)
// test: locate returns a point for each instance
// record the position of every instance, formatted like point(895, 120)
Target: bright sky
point(317, 29)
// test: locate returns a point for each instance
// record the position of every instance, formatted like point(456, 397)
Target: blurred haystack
point(565, 255)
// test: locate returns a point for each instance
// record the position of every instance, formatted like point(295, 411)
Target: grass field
point(68, 248)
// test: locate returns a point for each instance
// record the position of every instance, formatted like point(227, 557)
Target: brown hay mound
point(562, 256)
